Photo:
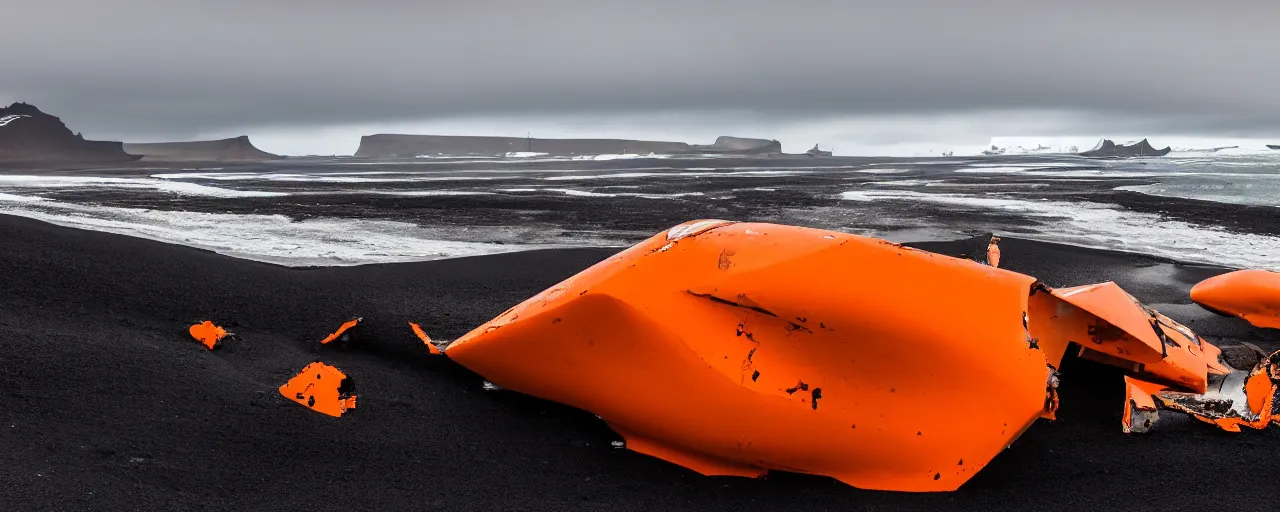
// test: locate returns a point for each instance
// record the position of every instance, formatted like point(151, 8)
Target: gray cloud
point(168, 66)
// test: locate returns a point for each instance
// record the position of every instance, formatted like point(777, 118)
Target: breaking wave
point(1107, 226)
point(268, 238)
point(172, 187)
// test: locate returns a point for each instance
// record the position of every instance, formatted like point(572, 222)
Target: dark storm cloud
point(139, 66)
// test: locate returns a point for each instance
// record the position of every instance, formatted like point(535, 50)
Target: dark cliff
point(739, 145)
point(410, 146)
point(29, 135)
point(238, 149)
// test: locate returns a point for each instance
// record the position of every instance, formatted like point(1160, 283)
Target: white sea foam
point(687, 173)
point(1252, 190)
point(623, 156)
point(616, 176)
point(20, 199)
point(902, 183)
point(424, 193)
point(986, 185)
point(1111, 227)
point(218, 176)
point(586, 193)
point(881, 171)
point(342, 177)
point(269, 238)
point(173, 187)
point(524, 154)
point(996, 169)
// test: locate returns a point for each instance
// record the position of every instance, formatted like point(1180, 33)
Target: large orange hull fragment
point(733, 349)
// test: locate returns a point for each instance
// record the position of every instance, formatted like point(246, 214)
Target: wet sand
point(108, 405)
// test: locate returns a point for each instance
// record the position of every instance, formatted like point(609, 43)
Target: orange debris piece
point(1237, 399)
point(733, 349)
point(208, 334)
point(1117, 329)
point(426, 340)
point(737, 348)
point(1253, 295)
point(1139, 401)
point(321, 388)
point(342, 330)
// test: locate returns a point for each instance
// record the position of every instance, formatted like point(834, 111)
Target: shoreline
point(110, 405)
point(506, 248)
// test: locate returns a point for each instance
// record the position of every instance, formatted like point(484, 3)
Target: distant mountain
point(1108, 149)
point(385, 145)
point(1273, 146)
point(237, 149)
point(29, 135)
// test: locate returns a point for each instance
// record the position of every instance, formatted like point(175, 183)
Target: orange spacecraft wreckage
point(208, 334)
point(737, 348)
point(321, 388)
point(1253, 295)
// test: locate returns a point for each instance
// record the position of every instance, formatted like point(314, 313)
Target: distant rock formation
point(817, 152)
point(237, 149)
point(743, 146)
point(412, 146)
point(1273, 146)
point(1108, 149)
point(29, 135)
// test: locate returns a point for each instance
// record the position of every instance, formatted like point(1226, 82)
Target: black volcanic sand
point(108, 405)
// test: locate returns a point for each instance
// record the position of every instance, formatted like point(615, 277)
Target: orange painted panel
point(321, 388)
point(1253, 295)
point(342, 329)
point(208, 334)
point(736, 348)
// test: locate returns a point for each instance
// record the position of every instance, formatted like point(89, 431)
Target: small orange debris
point(208, 334)
point(1237, 399)
point(426, 340)
point(1139, 402)
point(342, 333)
point(1253, 295)
point(321, 388)
point(993, 252)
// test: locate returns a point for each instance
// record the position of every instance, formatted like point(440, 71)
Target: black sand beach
point(108, 405)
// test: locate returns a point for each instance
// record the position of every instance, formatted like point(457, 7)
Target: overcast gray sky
point(176, 68)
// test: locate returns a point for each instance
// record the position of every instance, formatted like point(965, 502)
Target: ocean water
point(1206, 208)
